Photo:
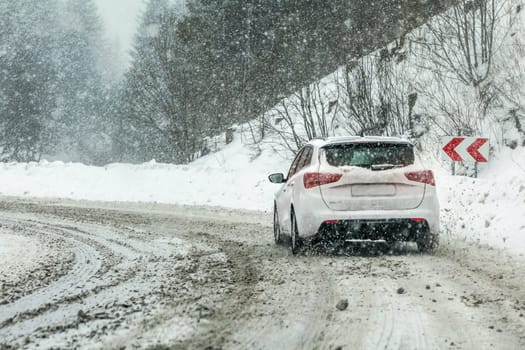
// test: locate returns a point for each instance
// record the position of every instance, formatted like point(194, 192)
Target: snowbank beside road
point(227, 178)
point(491, 209)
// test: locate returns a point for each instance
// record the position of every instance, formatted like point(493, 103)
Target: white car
point(357, 189)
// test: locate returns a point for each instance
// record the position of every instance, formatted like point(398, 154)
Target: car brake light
point(317, 179)
point(424, 176)
point(418, 219)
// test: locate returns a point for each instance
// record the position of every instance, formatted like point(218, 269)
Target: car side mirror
point(276, 178)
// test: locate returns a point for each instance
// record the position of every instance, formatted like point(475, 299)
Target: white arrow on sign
point(465, 149)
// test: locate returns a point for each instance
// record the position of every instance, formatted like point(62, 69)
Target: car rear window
point(370, 155)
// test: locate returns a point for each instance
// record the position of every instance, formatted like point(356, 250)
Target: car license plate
point(373, 190)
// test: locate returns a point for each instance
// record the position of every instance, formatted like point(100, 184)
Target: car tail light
point(424, 176)
point(418, 219)
point(317, 179)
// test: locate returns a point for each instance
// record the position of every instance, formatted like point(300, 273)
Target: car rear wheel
point(428, 243)
point(294, 233)
point(276, 225)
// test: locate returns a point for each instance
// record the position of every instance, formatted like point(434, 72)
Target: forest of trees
point(192, 75)
point(225, 62)
point(53, 80)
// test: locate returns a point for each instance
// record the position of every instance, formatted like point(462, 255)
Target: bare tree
point(510, 84)
point(307, 114)
point(375, 96)
point(461, 41)
point(457, 51)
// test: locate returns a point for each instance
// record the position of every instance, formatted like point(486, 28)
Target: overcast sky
point(121, 19)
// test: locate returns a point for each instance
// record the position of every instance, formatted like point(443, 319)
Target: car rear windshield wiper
point(385, 166)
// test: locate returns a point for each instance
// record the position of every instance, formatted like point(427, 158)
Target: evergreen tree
point(80, 58)
point(27, 77)
point(51, 95)
point(147, 101)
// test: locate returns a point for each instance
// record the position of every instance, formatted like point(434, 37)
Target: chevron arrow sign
point(465, 149)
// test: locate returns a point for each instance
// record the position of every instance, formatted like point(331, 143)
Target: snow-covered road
point(115, 275)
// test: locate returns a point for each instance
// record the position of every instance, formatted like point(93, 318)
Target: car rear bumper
point(392, 220)
point(389, 230)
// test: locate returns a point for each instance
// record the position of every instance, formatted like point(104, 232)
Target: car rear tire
point(294, 233)
point(428, 243)
point(276, 225)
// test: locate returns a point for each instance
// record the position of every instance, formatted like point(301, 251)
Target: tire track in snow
point(396, 323)
point(115, 267)
point(87, 262)
point(90, 254)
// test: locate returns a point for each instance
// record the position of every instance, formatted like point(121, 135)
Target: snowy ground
point(158, 276)
point(18, 255)
point(488, 210)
